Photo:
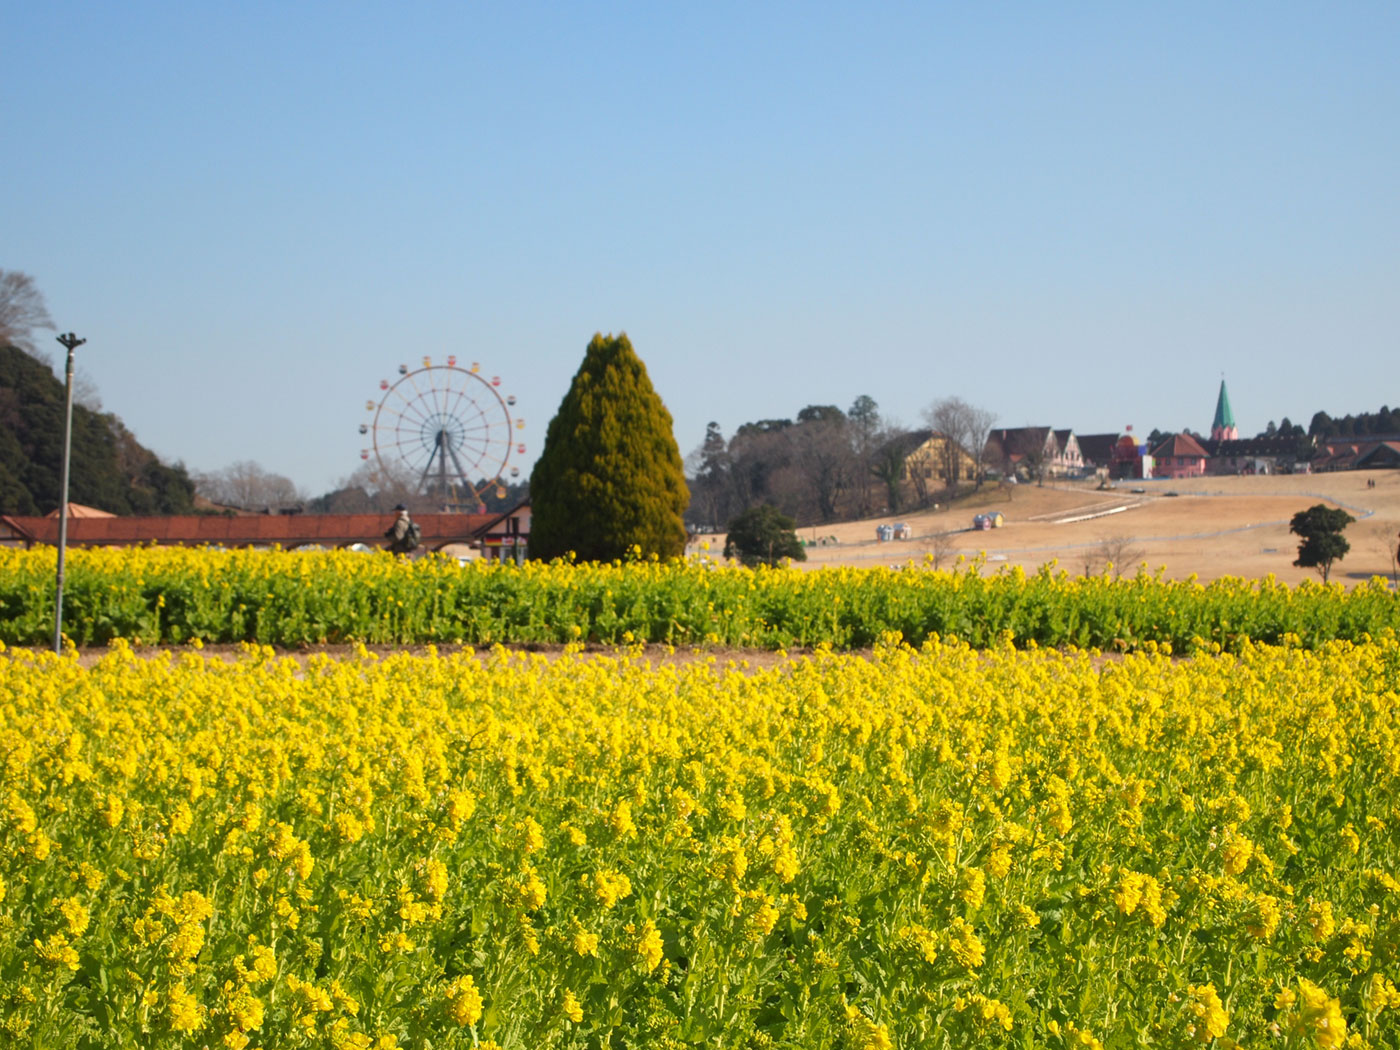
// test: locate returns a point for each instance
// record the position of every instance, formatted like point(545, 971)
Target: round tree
point(763, 535)
point(1321, 527)
point(610, 476)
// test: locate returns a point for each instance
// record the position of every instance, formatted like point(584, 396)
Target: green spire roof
point(1223, 416)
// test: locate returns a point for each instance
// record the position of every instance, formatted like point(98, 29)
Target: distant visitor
point(404, 535)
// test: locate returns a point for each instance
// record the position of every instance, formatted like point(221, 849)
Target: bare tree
point(1029, 444)
point(821, 451)
point(247, 485)
point(22, 310)
point(979, 423)
point(1385, 540)
point(948, 417)
point(1116, 552)
point(966, 428)
point(918, 471)
point(939, 548)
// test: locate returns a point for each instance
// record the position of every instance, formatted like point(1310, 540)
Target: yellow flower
point(974, 888)
point(461, 805)
point(1207, 1013)
point(967, 948)
point(765, 918)
point(985, 1012)
point(865, 1033)
point(1237, 853)
point(246, 1011)
point(649, 946)
point(531, 835)
point(186, 1015)
point(610, 887)
point(621, 820)
point(585, 943)
point(112, 810)
point(56, 951)
point(999, 862)
point(572, 1008)
point(1316, 1014)
point(76, 914)
point(463, 1001)
point(1319, 919)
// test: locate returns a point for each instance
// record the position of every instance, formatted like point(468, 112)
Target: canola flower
point(935, 846)
point(164, 595)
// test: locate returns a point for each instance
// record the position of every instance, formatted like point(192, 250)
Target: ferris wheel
point(446, 431)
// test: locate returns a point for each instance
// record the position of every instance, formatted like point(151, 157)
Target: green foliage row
point(290, 599)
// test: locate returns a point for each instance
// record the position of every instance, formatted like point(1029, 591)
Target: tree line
point(827, 463)
point(1383, 422)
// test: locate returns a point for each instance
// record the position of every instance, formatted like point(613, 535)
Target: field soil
point(1209, 527)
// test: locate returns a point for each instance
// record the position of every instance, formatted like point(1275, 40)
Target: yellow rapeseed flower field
point(931, 847)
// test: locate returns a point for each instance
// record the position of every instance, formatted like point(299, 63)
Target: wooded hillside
point(109, 470)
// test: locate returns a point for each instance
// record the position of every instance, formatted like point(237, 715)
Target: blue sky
point(1075, 214)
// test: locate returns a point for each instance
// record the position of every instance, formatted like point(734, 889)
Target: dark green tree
point(1321, 527)
point(887, 464)
point(610, 477)
point(109, 469)
point(763, 535)
point(711, 484)
point(1321, 425)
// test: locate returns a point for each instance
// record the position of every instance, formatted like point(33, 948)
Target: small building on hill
point(1069, 455)
point(1096, 450)
point(1129, 459)
point(936, 455)
point(1370, 452)
point(1273, 455)
point(506, 537)
point(1179, 456)
point(1033, 452)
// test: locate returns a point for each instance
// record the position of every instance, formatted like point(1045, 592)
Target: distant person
point(404, 535)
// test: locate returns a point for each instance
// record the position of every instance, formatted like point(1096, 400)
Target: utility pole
point(71, 342)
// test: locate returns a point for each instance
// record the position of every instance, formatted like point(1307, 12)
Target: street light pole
point(71, 342)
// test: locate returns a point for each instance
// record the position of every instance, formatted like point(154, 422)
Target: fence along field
point(937, 847)
point(162, 596)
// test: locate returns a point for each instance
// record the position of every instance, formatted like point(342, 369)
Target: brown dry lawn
point(1215, 526)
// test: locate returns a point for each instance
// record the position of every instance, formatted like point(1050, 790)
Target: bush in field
point(610, 479)
point(1321, 527)
point(763, 536)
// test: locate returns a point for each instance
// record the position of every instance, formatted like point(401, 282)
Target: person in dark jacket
point(403, 534)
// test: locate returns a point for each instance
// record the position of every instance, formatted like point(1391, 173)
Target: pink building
point(1180, 456)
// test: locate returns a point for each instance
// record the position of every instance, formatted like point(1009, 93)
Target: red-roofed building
point(1180, 456)
point(1357, 453)
point(246, 530)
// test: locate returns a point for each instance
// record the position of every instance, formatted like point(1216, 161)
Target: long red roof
point(251, 530)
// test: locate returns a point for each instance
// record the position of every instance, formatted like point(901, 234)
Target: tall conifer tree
point(610, 476)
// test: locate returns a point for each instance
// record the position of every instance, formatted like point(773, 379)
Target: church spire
point(1223, 428)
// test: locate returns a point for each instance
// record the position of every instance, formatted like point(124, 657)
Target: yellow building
point(935, 456)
